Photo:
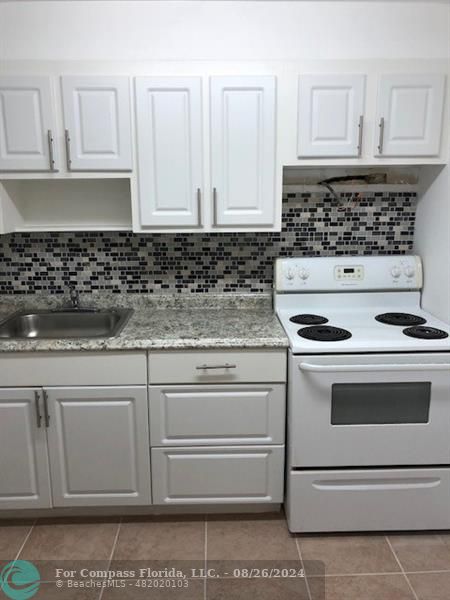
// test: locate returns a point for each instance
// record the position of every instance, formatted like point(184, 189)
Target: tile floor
point(338, 567)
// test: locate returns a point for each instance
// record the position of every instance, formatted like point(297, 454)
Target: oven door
point(355, 410)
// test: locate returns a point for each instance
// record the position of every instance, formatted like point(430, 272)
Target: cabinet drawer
point(218, 475)
point(72, 368)
point(217, 415)
point(217, 366)
point(365, 500)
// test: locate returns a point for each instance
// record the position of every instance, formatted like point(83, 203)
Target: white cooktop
point(368, 335)
point(354, 311)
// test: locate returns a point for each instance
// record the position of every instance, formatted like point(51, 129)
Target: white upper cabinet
point(26, 124)
point(97, 123)
point(169, 135)
point(330, 115)
point(409, 115)
point(243, 148)
point(171, 160)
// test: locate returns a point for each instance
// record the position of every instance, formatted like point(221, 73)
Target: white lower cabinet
point(216, 433)
point(74, 446)
point(24, 474)
point(99, 446)
point(217, 426)
point(217, 475)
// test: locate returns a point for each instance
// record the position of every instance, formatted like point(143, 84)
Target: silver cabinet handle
point(381, 136)
point(38, 412)
point(360, 134)
point(68, 156)
point(199, 207)
point(225, 366)
point(214, 219)
point(46, 413)
point(51, 153)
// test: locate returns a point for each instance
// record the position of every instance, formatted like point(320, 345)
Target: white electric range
point(369, 395)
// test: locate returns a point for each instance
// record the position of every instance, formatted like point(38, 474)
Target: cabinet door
point(330, 115)
point(26, 124)
point(99, 446)
point(97, 123)
point(24, 475)
point(243, 150)
point(169, 136)
point(218, 475)
point(409, 115)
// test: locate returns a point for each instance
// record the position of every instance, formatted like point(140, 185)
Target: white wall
point(432, 241)
point(130, 30)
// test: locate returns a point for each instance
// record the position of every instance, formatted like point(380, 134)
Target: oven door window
point(380, 403)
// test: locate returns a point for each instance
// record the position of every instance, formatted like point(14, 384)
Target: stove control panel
point(348, 273)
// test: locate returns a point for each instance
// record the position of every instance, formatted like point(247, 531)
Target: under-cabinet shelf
point(65, 205)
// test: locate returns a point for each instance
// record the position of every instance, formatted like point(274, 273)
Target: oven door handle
point(304, 366)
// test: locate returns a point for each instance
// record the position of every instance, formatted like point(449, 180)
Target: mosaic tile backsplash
point(313, 225)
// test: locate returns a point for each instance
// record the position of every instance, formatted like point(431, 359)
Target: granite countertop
point(160, 322)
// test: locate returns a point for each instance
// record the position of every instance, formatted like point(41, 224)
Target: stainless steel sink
point(65, 323)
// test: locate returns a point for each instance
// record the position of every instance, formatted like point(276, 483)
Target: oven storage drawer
point(217, 366)
point(218, 475)
point(365, 500)
point(215, 415)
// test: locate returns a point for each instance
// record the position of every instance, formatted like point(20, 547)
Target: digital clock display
point(349, 270)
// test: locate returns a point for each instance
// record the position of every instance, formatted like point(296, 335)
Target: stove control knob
point(409, 271)
point(303, 274)
point(396, 272)
point(289, 274)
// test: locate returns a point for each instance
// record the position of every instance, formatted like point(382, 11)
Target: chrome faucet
point(74, 296)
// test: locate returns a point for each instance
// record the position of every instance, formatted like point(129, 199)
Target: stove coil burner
point(308, 320)
point(425, 333)
point(324, 333)
point(401, 319)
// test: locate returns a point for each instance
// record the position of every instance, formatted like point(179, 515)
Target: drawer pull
point(225, 366)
